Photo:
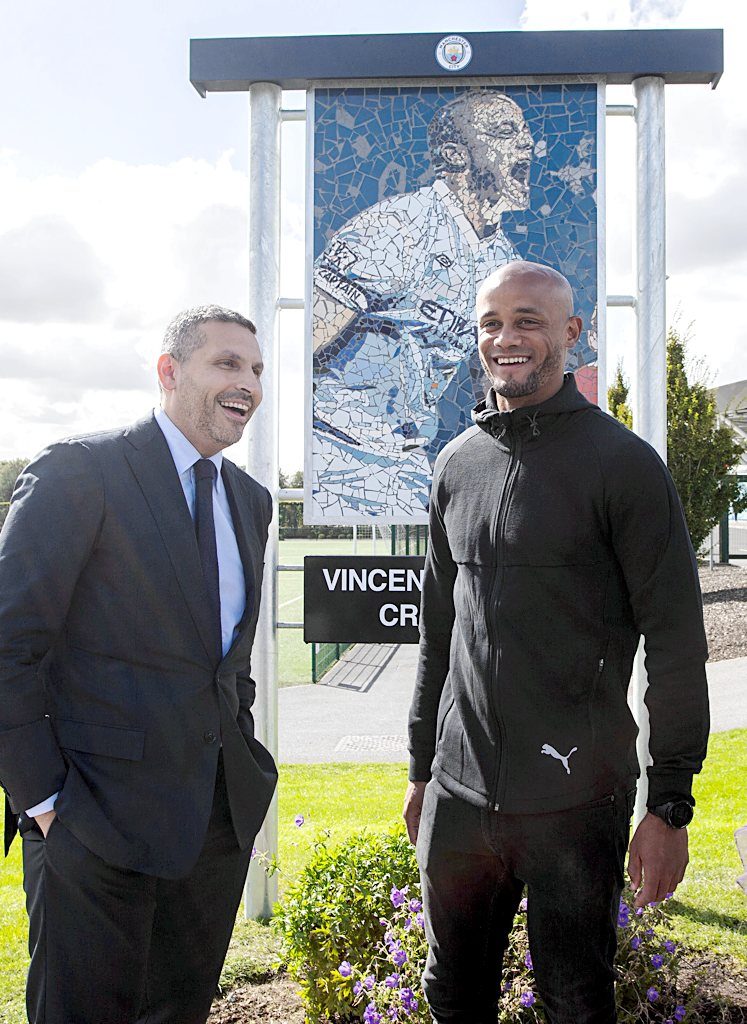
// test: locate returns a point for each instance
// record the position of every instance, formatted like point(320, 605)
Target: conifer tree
point(701, 452)
point(617, 398)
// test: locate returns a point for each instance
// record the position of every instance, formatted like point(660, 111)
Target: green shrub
point(332, 914)
point(352, 931)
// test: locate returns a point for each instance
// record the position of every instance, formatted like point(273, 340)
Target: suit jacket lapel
point(151, 462)
point(245, 527)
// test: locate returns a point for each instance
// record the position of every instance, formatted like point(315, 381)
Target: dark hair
point(184, 334)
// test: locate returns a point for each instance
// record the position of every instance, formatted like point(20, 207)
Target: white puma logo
point(547, 749)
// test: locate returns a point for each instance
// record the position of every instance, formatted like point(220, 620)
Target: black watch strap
point(676, 813)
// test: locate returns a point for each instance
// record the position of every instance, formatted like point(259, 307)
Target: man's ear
point(454, 157)
point(167, 369)
point(573, 331)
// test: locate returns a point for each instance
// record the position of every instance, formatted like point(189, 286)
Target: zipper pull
point(601, 664)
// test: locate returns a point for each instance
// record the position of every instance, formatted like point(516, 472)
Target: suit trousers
point(112, 946)
point(474, 865)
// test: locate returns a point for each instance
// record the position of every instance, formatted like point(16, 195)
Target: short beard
point(535, 380)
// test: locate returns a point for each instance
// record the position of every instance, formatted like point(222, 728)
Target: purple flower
point(657, 961)
point(680, 1013)
point(398, 896)
point(420, 920)
point(668, 896)
point(357, 988)
point(345, 969)
point(523, 905)
point(392, 981)
point(409, 1002)
point(299, 820)
point(415, 906)
point(369, 982)
point(255, 851)
point(371, 1014)
point(389, 940)
point(408, 924)
point(670, 946)
point(392, 1013)
point(650, 932)
point(639, 912)
point(652, 994)
point(528, 960)
point(383, 922)
point(635, 942)
point(527, 998)
point(623, 917)
point(399, 957)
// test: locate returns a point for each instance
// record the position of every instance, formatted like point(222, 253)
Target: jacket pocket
point(106, 740)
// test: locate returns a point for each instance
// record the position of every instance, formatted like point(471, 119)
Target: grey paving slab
point(359, 710)
point(357, 713)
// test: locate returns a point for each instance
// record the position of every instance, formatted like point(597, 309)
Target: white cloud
point(93, 268)
point(56, 357)
point(48, 271)
point(707, 232)
point(705, 168)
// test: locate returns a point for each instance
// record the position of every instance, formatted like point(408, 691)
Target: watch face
point(680, 813)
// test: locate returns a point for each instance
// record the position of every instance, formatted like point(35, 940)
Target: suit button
point(209, 736)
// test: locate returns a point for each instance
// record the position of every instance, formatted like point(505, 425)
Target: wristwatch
point(675, 813)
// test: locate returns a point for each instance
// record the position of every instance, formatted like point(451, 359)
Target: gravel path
point(725, 610)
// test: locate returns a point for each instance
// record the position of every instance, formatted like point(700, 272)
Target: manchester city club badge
point(454, 53)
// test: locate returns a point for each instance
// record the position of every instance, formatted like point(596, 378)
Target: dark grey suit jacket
point(109, 692)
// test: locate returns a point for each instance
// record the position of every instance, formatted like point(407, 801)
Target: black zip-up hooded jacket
point(557, 539)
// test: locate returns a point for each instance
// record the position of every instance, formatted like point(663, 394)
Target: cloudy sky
point(123, 194)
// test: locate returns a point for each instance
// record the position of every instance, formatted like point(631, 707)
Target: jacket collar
point(530, 420)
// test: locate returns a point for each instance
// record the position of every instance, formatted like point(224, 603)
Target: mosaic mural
point(419, 193)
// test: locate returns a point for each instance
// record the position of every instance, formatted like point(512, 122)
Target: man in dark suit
point(130, 576)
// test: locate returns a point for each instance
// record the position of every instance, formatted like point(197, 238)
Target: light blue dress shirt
point(230, 569)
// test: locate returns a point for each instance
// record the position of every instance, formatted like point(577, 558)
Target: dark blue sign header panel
point(678, 55)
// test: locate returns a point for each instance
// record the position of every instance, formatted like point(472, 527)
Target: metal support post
point(601, 309)
point(263, 454)
point(650, 379)
point(723, 540)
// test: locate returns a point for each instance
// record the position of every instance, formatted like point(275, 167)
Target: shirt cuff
point(43, 807)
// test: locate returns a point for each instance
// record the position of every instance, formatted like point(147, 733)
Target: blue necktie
point(205, 474)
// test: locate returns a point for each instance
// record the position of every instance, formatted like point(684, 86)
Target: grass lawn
point(294, 656)
point(13, 958)
point(339, 798)
point(709, 912)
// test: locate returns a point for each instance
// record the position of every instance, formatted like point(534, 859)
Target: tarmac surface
point(358, 712)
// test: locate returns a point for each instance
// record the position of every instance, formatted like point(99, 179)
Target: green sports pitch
point(294, 656)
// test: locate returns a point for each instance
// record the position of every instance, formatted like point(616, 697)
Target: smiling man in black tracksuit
point(556, 540)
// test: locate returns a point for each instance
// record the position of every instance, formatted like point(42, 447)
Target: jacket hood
point(530, 420)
